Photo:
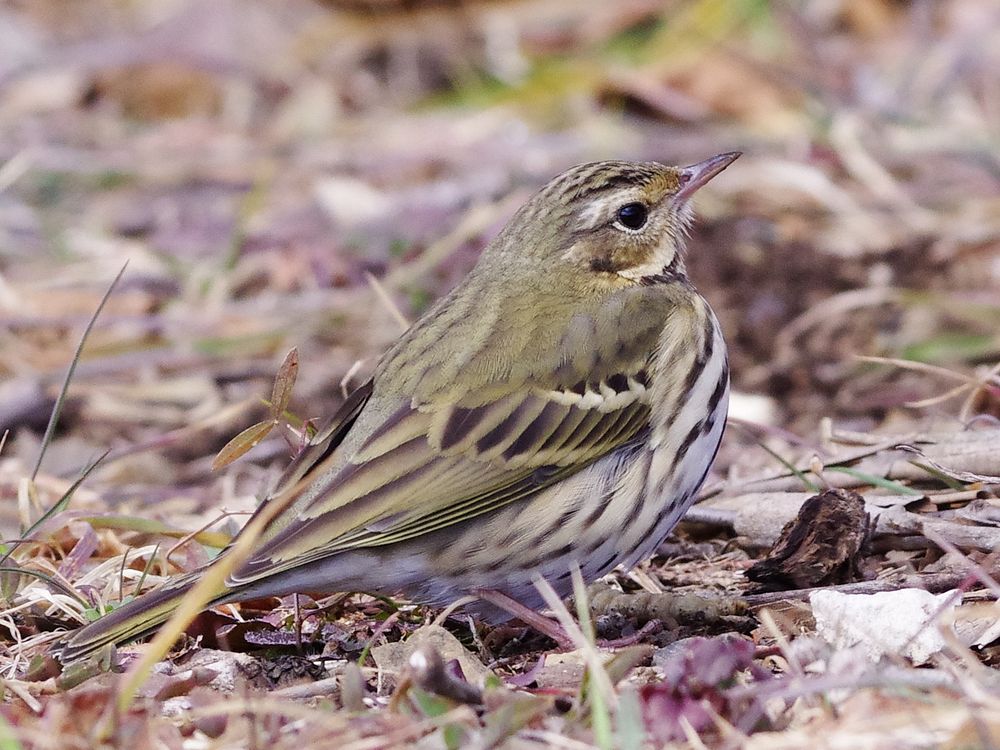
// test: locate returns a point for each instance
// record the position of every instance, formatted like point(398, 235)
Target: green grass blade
point(8, 736)
point(600, 712)
point(59, 505)
point(811, 486)
point(55, 584)
point(946, 480)
point(875, 481)
point(50, 428)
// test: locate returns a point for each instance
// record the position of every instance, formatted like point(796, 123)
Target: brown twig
point(935, 583)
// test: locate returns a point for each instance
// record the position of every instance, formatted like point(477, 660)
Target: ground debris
point(821, 546)
point(891, 622)
point(642, 607)
point(257, 180)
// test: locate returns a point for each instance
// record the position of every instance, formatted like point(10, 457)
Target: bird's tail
point(131, 620)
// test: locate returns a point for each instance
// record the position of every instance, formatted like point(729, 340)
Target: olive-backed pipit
point(559, 408)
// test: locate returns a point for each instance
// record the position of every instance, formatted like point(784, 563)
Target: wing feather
point(428, 466)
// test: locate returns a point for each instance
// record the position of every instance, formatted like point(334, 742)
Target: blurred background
point(313, 174)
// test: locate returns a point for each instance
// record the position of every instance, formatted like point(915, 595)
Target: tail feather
point(132, 620)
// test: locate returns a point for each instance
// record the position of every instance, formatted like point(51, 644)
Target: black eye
point(633, 215)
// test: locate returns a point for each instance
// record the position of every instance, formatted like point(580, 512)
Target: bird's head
point(611, 224)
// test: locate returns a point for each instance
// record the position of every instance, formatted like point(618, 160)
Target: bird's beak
point(696, 175)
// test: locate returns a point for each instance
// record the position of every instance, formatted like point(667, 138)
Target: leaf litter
point(319, 172)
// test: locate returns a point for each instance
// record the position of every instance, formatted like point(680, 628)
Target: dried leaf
point(284, 381)
point(245, 441)
point(696, 672)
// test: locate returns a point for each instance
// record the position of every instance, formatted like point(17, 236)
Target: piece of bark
point(820, 547)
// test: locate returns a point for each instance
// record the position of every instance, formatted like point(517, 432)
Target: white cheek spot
point(573, 254)
point(595, 214)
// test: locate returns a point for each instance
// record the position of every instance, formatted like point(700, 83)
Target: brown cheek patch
point(635, 253)
point(631, 253)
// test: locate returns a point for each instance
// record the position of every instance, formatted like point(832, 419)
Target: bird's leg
point(527, 615)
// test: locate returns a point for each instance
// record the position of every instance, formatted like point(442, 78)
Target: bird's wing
point(326, 440)
point(428, 466)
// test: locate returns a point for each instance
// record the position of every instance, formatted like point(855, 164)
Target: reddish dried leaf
point(695, 677)
point(85, 546)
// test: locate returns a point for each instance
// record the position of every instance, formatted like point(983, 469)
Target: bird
point(558, 410)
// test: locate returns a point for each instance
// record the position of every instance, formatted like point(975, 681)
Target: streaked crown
point(619, 222)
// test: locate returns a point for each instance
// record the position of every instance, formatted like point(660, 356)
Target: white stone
point(902, 622)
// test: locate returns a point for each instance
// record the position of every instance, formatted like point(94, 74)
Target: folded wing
point(428, 466)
